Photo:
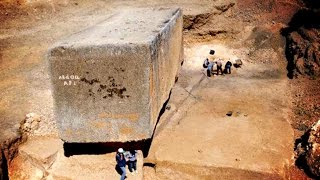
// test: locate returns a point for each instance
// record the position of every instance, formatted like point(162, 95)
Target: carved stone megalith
point(110, 81)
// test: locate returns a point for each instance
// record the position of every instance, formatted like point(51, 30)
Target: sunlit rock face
point(111, 81)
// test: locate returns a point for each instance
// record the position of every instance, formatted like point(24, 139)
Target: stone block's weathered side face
point(167, 56)
point(101, 93)
point(112, 88)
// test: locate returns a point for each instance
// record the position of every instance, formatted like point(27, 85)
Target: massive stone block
point(110, 81)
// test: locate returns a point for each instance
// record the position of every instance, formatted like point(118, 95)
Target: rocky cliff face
point(303, 55)
point(313, 153)
point(308, 152)
point(303, 52)
point(8, 150)
point(269, 10)
point(303, 35)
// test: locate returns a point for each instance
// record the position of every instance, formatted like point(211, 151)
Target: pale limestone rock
point(111, 81)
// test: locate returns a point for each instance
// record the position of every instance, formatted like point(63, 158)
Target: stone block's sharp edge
point(177, 13)
point(105, 48)
point(168, 27)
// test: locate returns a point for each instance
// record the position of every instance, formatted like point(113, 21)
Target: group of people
point(211, 64)
point(124, 158)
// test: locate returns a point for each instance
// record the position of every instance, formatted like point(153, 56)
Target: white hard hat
point(120, 150)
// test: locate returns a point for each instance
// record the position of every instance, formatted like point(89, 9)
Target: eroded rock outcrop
point(303, 49)
point(35, 124)
point(308, 151)
point(8, 151)
point(303, 37)
point(313, 150)
point(30, 123)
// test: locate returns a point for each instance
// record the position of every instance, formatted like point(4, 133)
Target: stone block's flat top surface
point(136, 26)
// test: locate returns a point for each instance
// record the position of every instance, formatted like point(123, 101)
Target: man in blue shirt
point(209, 69)
point(121, 162)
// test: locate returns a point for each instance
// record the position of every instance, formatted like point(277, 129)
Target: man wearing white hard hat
point(121, 162)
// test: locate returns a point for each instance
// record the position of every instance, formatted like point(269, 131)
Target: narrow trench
point(153, 165)
point(150, 165)
point(148, 142)
point(9, 150)
point(4, 172)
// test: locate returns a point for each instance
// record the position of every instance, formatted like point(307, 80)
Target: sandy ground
point(197, 132)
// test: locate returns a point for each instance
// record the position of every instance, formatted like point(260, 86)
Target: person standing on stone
point(121, 162)
point(228, 67)
point(219, 66)
point(132, 161)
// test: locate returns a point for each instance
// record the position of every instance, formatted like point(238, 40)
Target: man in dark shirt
point(228, 67)
point(121, 162)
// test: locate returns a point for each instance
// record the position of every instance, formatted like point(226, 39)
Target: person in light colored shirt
point(210, 68)
point(132, 161)
point(219, 66)
point(206, 63)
